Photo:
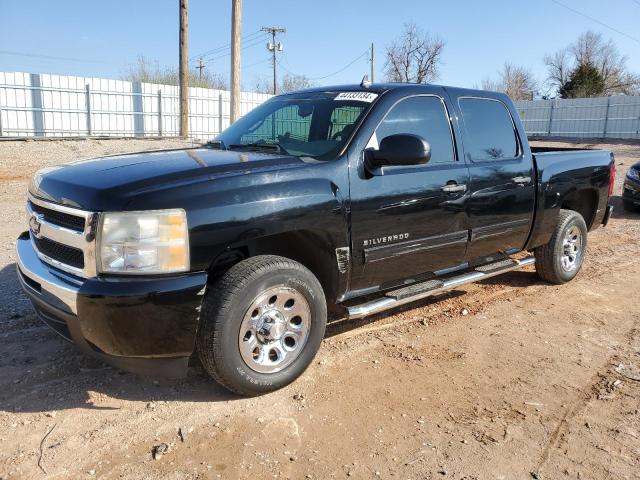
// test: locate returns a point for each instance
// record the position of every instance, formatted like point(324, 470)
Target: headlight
point(633, 174)
point(144, 242)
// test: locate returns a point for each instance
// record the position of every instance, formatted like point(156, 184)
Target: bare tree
point(517, 82)
point(262, 85)
point(413, 57)
point(592, 49)
point(487, 84)
point(288, 83)
point(145, 70)
point(291, 83)
point(559, 68)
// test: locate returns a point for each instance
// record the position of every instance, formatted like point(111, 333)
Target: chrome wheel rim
point(274, 329)
point(571, 249)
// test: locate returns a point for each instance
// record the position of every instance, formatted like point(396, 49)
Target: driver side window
point(284, 122)
point(424, 116)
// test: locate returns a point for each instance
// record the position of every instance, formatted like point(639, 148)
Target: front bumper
point(631, 191)
point(143, 325)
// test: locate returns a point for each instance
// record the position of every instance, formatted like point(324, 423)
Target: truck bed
point(559, 149)
point(560, 173)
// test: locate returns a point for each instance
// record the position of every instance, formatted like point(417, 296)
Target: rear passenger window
point(424, 116)
point(490, 131)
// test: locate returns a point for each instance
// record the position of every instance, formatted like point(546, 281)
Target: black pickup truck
point(346, 200)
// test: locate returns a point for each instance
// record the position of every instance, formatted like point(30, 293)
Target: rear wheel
point(261, 324)
point(629, 206)
point(561, 259)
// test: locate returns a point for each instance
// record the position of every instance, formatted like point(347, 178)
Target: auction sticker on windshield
point(367, 97)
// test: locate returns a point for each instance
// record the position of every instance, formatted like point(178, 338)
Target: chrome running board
point(432, 287)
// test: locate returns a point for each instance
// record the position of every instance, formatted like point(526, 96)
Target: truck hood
point(83, 184)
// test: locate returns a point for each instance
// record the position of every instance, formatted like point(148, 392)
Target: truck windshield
point(313, 125)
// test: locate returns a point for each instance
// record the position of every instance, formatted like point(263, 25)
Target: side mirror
point(401, 149)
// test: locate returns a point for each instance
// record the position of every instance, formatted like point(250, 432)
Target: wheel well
point(585, 202)
point(310, 248)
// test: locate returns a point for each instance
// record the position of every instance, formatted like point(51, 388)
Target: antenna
point(365, 83)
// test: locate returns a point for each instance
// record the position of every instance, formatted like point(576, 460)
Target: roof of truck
point(385, 87)
point(352, 87)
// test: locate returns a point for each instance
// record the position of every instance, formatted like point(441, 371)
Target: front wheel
point(561, 259)
point(261, 324)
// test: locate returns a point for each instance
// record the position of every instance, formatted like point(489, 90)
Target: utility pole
point(373, 64)
point(236, 33)
point(200, 67)
point(274, 47)
point(184, 69)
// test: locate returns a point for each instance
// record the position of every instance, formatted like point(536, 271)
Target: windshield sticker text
point(367, 97)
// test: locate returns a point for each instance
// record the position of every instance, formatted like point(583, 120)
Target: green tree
point(585, 81)
point(592, 48)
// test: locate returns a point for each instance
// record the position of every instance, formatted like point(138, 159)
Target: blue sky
point(100, 38)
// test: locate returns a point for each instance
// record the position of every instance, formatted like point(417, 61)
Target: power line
point(253, 44)
point(245, 67)
point(365, 53)
point(577, 12)
point(226, 46)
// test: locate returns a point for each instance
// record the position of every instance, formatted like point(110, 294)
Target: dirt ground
point(507, 379)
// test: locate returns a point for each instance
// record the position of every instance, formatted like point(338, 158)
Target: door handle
point(453, 188)
point(522, 180)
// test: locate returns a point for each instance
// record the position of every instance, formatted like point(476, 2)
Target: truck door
point(407, 221)
point(501, 204)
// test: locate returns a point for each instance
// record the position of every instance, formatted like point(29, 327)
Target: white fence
point(44, 105)
point(603, 117)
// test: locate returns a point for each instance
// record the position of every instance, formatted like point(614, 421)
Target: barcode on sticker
point(357, 96)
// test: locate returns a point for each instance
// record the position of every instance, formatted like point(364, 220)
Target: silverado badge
point(370, 242)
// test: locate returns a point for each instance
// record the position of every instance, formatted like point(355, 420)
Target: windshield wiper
point(217, 144)
point(275, 147)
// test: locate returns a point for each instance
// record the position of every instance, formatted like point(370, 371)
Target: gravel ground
point(510, 378)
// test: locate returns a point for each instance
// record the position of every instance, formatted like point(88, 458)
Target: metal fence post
point(220, 113)
point(160, 113)
point(88, 101)
point(606, 118)
point(550, 118)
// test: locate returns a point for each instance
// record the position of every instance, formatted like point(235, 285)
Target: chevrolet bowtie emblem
point(35, 222)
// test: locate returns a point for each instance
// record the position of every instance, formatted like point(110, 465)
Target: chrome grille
point(71, 256)
point(59, 218)
point(63, 237)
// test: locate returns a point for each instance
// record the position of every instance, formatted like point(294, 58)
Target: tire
point(629, 206)
point(280, 308)
point(561, 259)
